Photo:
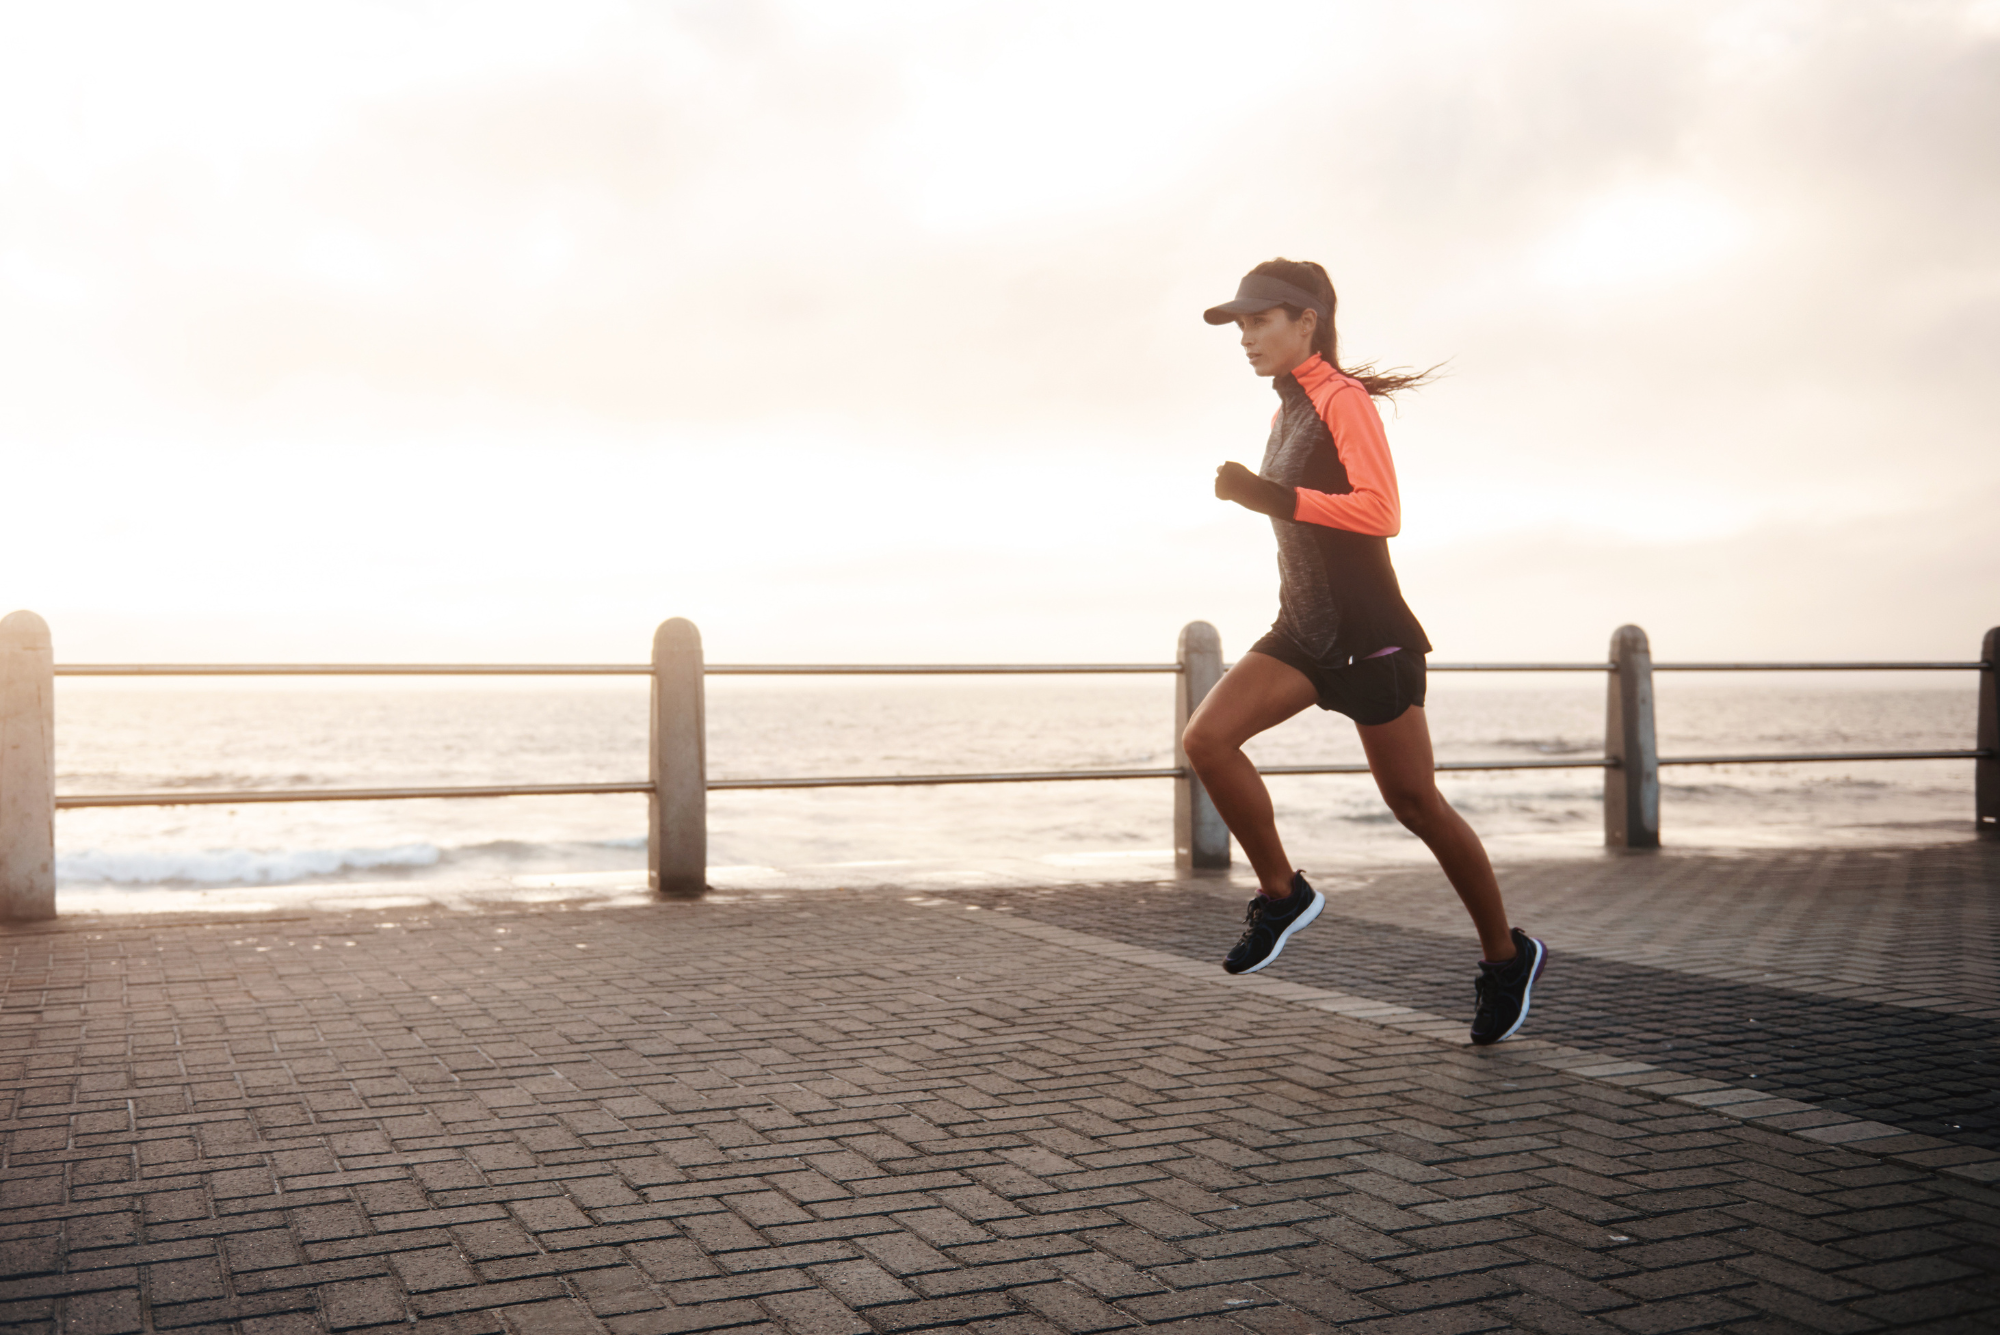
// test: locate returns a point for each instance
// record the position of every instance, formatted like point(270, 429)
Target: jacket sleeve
point(1373, 507)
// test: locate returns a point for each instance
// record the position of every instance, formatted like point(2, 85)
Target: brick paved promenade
point(867, 1111)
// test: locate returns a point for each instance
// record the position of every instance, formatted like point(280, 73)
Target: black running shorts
point(1369, 690)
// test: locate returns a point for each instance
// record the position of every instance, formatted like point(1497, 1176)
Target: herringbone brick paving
point(1923, 924)
point(1916, 927)
point(847, 1113)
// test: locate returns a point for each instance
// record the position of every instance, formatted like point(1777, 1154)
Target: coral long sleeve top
point(1339, 598)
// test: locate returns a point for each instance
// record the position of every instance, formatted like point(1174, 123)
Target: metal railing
point(193, 798)
point(679, 783)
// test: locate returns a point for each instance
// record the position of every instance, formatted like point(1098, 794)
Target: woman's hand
point(1234, 482)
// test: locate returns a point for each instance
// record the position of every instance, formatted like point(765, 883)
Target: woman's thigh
point(1400, 757)
point(1258, 693)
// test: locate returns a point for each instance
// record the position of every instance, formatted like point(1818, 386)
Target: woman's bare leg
point(1258, 693)
point(1399, 755)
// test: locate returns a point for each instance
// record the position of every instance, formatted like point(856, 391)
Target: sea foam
point(232, 866)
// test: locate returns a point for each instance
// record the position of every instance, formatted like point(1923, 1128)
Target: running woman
point(1344, 640)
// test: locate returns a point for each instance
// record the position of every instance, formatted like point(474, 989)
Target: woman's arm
point(1373, 507)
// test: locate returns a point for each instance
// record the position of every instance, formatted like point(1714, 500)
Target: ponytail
point(1312, 278)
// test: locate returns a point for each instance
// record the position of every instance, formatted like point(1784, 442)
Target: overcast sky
point(872, 330)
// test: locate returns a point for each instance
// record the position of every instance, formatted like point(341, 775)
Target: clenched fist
point(1234, 482)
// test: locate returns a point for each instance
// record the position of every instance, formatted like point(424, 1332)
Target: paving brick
point(940, 1312)
point(1069, 1307)
point(1445, 1292)
point(360, 1302)
point(1033, 1225)
point(1320, 1297)
point(1673, 1282)
point(1017, 1249)
point(1678, 1252)
point(288, 1323)
point(1532, 1312)
point(556, 1316)
point(861, 1284)
point(941, 1228)
point(723, 1232)
point(1894, 1245)
point(432, 1268)
point(1164, 1309)
point(488, 1240)
point(1919, 1305)
point(184, 1281)
point(901, 1254)
point(1671, 1314)
point(485, 1297)
point(1243, 1242)
point(1912, 1272)
point(549, 1214)
point(1012, 1325)
point(103, 1230)
point(318, 1223)
point(976, 1203)
point(1799, 1311)
point(743, 1316)
point(778, 1258)
point(1105, 1276)
point(1450, 1261)
point(729, 1287)
point(1444, 1321)
point(113, 1313)
point(814, 1312)
point(30, 1256)
point(1565, 1289)
point(1354, 1237)
point(1809, 1284)
point(1162, 1221)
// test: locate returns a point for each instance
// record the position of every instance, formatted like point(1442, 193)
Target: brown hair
point(1306, 275)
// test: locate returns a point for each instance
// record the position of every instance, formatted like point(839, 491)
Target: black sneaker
point(1271, 924)
point(1504, 990)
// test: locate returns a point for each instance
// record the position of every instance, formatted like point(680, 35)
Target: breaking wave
point(234, 866)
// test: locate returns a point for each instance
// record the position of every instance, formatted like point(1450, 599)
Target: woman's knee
point(1204, 743)
point(1418, 808)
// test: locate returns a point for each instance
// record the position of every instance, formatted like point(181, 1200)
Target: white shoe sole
point(1306, 915)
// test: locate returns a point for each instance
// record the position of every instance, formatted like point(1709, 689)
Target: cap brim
point(1229, 310)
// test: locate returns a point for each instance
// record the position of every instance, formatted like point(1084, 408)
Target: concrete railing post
point(27, 769)
point(1632, 781)
point(677, 834)
point(1986, 769)
point(1201, 840)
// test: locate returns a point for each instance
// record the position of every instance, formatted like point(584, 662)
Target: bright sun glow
point(437, 329)
point(1641, 237)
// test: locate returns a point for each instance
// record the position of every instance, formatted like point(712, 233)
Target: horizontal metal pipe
point(929, 669)
point(1517, 667)
point(873, 669)
point(1796, 756)
point(251, 795)
point(353, 670)
point(943, 780)
point(1820, 667)
point(206, 799)
point(837, 781)
point(596, 669)
point(1443, 766)
point(712, 669)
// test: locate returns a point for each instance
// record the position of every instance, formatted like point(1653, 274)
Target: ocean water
point(113, 738)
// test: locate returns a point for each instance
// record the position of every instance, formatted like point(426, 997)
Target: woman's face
point(1275, 342)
